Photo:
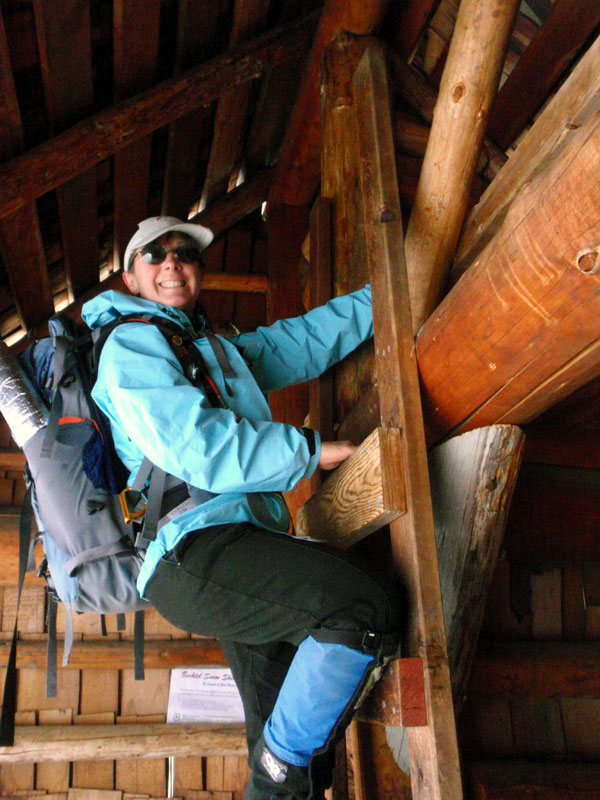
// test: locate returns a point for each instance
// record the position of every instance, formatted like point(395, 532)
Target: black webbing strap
point(369, 642)
point(9, 702)
point(51, 650)
point(138, 645)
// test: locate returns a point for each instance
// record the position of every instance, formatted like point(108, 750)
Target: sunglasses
point(156, 253)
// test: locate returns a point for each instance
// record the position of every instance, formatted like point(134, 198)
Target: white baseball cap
point(155, 227)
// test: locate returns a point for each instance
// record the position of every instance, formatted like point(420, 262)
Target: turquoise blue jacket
point(155, 411)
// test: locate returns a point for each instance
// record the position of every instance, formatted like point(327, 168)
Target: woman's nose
point(171, 260)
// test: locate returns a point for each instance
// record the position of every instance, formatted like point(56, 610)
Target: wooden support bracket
point(399, 697)
point(365, 493)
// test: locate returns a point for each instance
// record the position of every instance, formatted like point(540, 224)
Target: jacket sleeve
point(298, 349)
point(154, 410)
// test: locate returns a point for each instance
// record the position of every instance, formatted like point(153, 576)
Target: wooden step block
point(363, 494)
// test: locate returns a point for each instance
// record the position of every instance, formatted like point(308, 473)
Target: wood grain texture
point(358, 498)
point(94, 742)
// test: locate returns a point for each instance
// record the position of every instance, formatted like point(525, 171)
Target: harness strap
point(51, 649)
point(380, 645)
point(68, 643)
point(138, 645)
point(122, 545)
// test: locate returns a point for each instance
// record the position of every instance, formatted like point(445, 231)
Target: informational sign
point(203, 695)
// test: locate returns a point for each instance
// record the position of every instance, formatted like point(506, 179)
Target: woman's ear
point(130, 282)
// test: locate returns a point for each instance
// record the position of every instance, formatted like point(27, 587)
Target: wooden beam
point(468, 87)
point(286, 227)
point(232, 207)
point(298, 167)
point(564, 32)
point(109, 654)
point(361, 496)
point(435, 768)
point(32, 174)
point(410, 20)
point(521, 329)
point(13, 460)
point(44, 743)
point(320, 390)
point(571, 106)
point(534, 670)
point(249, 17)
point(512, 779)
point(21, 244)
point(340, 184)
point(198, 37)
point(419, 95)
point(136, 47)
point(69, 96)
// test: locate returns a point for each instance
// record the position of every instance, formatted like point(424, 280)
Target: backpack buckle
point(128, 513)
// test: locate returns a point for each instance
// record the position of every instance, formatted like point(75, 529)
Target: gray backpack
point(94, 529)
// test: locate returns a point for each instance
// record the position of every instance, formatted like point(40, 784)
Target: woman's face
point(172, 282)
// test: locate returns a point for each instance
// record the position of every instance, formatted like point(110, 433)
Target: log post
point(435, 769)
point(297, 175)
point(339, 183)
point(467, 90)
point(570, 107)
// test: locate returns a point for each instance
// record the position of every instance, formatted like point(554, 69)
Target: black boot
point(274, 779)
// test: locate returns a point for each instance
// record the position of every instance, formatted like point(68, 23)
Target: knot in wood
point(458, 92)
point(588, 261)
point(386, 215)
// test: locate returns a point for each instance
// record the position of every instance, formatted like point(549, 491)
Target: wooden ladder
point(391, 466)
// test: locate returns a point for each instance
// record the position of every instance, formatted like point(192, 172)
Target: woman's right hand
point(333, 453)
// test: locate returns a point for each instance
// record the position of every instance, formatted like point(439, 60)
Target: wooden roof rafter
point(20, 237)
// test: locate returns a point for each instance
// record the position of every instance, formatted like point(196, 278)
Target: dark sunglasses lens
point(156, 254)
point(153, 254)
point(187, 253)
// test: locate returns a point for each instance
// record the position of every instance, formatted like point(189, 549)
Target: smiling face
point(172, 282)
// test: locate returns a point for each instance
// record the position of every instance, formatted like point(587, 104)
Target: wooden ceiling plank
point(522, 327)
point(298, 168)
point(21, 244)
point(49, 165)
point(411, 19)
point(197, 40)
point(469, 83)
point(572, 104)
point(556, 43)
point(68, 90)
point(136, 36)
point(249, 17)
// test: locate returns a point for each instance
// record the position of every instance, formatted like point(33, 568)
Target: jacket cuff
point(313, 441)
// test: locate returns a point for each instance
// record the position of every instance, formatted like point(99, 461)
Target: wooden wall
point(532, 717)
point(103, 696)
